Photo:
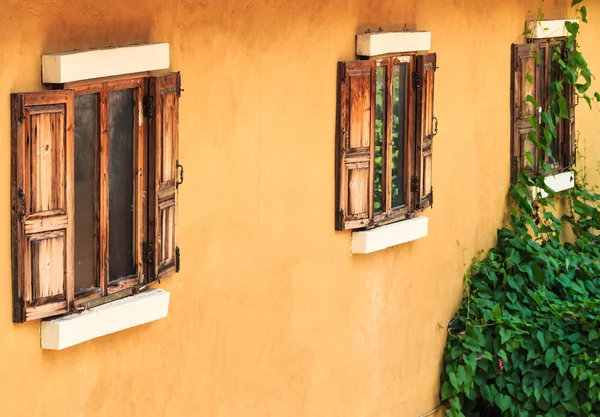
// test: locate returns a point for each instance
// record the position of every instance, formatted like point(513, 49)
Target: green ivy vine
point(525, 341)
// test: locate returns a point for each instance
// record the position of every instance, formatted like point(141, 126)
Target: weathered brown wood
point(122, 284)
point(162, 174)
point(525, 78)
point(355, 144)
point(102, 203)
point(569, 131)
point(42, 203)
point(424, 130)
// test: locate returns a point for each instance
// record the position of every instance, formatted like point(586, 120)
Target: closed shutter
point(42, 204)
point(525, 78)
point(425, 130)
point(163, 170)
point(355, 144)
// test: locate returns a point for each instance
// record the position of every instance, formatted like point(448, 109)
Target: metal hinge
point(148, 252)
point(414, 184)
point(341, 218)
point(177, 259)
point(431, 198)
point(178, 84)
point(21, 110)
point(416, 80)
point(148, 105)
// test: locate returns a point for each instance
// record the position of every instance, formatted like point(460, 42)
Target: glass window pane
point(398, 134)
point(86, 138)
point(380, 111)
point(121, 136)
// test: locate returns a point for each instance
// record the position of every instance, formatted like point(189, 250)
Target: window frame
point(156, 126)
point(564, 138)
point(392, 214)
point(101, 193)
point(355, 152)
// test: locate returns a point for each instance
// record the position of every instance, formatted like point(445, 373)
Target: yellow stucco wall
point(271, 314)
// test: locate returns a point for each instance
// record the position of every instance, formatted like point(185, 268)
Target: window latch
point(148, 106)
point(414, 184)
point(416, 80)
point(149, 252)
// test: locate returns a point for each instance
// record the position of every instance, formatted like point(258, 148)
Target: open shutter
point(355, 144)
point(164, 92)
point(424, 81)
point(568, 128)
point(42, 204)
point(525, 77)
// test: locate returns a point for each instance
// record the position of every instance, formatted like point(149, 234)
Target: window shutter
point(525, 77)
point(355, 144)
point(425, 130)
point(42, 204)
point(163, 170)
point(569, 131)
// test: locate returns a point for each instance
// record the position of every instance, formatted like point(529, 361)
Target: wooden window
point(384, 140)
point(533, 72)
point(91, 165)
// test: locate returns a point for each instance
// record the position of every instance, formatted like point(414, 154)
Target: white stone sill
point(557, 183)
point(369, 241)
point(126, 313)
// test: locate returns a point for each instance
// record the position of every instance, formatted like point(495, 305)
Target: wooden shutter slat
point(424, 131)
point(163, 171)
point(355, 144)
point(42, 204)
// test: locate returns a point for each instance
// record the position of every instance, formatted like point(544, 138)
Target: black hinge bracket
point(341, 218)
point(178, 84)
point(414, 184)
point(148, 252)
point(416, 81)
point(177, 259)
point(179, 168)
point(21, 110)
point(148, 105)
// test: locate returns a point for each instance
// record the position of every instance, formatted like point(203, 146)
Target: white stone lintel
point(98, 63)
point(383, 237)
point(73, 329)
point(381, 43)
point(544, 29)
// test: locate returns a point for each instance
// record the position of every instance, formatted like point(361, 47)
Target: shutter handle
point(180, 180)
point(435, 126)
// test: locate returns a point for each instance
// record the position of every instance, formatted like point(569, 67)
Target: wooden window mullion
point(410, 142)
point(387, 137)
point(103, 192)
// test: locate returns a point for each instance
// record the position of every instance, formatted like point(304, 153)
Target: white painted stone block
point(545, 29)
point(380, 43)
point(96, 63)
point(383, 237)
point(110, 318)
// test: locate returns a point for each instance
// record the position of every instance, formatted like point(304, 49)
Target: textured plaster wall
point(271, 314)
